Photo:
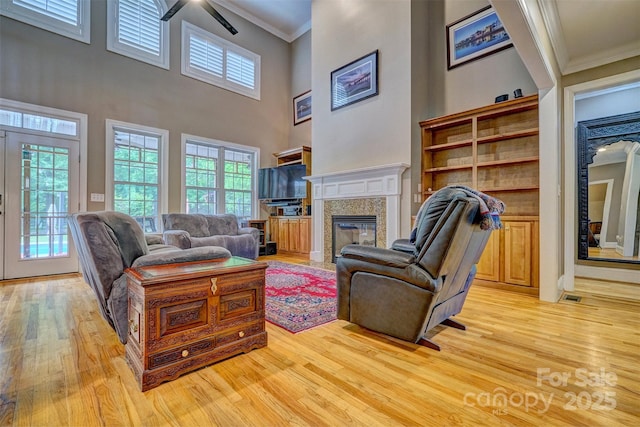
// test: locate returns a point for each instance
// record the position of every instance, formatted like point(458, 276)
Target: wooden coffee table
point(188, 315)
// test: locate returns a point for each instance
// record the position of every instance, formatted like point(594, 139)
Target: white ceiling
point(287, 19)
point(590, 33)
point(585, 33)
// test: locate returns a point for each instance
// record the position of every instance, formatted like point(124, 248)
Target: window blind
point(62, 10)
point(139, 25)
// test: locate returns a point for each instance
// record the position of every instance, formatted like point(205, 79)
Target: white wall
point(622, 101)
point(376, 131)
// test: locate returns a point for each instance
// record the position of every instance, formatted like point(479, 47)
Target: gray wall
point(474, 84)
point(43, 68)
point(300, 83)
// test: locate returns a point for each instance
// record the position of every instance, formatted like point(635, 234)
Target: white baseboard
point(603, 273)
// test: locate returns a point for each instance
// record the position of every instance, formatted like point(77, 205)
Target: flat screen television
point(284, 182)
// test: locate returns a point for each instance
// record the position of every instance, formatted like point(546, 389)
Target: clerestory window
point(134, 29)
point(216, 61)
point(69, 18)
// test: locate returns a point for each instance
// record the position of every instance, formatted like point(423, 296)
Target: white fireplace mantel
point(377, 181)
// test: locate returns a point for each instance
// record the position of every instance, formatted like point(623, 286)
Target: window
point(38, 122)
point(136, 172)
point(216, 61)
point(219, 177)
point(134, 29)
point(69, 18)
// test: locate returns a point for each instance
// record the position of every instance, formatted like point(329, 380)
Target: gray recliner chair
point(420, 282)
point(110, 242)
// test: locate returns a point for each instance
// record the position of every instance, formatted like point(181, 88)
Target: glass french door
point(40, 191)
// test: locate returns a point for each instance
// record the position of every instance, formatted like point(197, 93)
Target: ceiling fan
point(206, 5)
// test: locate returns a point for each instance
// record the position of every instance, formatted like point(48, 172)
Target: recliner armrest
point(187, 255)
point(404, 245)
point(380, 256)
point(385, 263)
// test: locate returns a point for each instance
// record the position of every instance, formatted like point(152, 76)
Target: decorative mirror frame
point(593, 134)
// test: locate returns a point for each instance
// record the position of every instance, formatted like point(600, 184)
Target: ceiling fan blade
point(205, 4)
point(174, 9)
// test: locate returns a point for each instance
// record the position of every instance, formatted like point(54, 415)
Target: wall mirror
point(608, 152)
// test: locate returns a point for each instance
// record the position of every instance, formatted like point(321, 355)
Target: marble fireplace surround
point(367, 191)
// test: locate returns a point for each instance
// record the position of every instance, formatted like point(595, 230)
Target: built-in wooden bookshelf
point(292, 233)
point(493, 149)
point(298, 156)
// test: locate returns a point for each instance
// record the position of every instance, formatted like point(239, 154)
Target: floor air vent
point(573, 298)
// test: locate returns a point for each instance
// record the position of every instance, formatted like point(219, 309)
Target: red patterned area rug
point(299, 297)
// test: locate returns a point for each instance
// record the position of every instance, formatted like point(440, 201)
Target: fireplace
point(351, 229)
point(375, 190)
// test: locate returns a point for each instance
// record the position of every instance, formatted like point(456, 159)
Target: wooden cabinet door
point(273, 229)
point(517, 253)
point(488, 268)
point(283, 234)
point(305, 235)
point(294, 235)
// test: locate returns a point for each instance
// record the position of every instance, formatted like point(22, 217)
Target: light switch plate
point(97, 197)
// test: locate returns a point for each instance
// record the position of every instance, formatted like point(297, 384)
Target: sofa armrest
point(178, 238)
point(154, 238)
point(250, 230)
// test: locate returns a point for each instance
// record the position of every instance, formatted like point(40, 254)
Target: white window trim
point(80, 32)
point(163, 174)
point(187, 30)
point(113, 45)
point(81, 136)
point(255, 205)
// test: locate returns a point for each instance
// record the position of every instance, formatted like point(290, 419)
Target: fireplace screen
point(352, 229)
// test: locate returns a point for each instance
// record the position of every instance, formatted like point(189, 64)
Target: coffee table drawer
point(180, 353)
point(246, 331)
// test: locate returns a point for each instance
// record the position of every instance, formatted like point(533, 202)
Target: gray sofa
point(196, 230)
point(110, 242)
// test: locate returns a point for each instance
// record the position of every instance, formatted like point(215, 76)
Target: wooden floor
point(520, 362)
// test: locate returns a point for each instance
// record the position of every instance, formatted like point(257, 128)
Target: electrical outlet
point(97, 197)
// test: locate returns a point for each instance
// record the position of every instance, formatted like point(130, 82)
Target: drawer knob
point(185, 353)
point(241, 334)
point(214, 285)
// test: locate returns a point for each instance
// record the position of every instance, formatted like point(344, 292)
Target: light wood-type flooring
point(520, 362)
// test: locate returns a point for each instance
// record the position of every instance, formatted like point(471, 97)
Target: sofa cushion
point(242, 245)
point(226, 225)
point(194, 224)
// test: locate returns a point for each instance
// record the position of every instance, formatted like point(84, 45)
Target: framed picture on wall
point(302, 108)
point(475, 36)
point(355, 81)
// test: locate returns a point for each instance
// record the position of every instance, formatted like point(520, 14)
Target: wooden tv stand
point(188, 315)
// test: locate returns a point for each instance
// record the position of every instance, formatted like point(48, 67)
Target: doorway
point(41, 184)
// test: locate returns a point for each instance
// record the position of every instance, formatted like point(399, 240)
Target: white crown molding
point(259, 22)
point(551, 19)
point(300, 31)
point(597, 59)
